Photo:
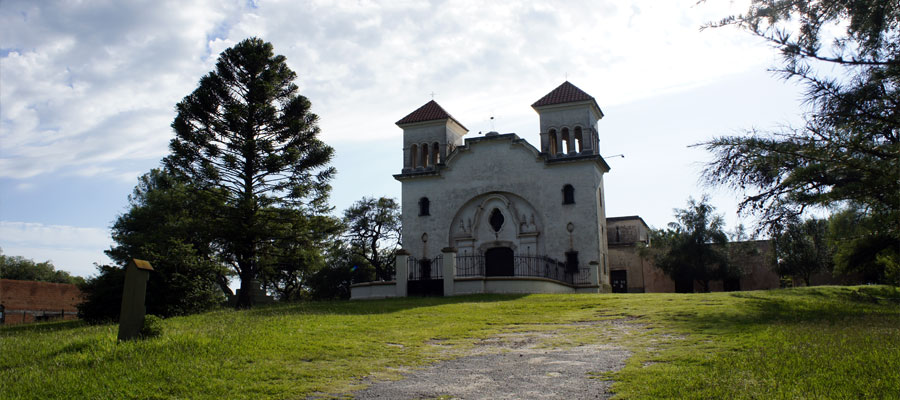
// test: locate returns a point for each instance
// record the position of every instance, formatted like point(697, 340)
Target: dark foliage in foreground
point(848, 152)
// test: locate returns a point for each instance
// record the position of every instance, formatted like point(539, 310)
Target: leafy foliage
point(802, 249)
point(152, 328)
point(373, 229)
point(165, 225)
point(297, 252)
point(23, 269)
point(246, 135)
point(861, 247)
point(692, 248)
point(344, 267)
point(847, 151)
point(102, 295)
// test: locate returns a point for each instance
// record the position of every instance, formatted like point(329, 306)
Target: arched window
point(424, 206)
point(568, 194)
point(553, 146)
point(413, 156)
point(566, 140)
point(435, 151)
point(579, 141)
point(425, 155)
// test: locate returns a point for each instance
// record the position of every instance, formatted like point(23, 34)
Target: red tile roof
point(431, 111)
point(565, 93)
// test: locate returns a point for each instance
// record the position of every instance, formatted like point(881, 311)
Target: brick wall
point(28, 301)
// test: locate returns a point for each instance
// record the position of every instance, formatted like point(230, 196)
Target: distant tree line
point(24, 269)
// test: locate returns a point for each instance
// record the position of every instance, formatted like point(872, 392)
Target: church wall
point(498, 165)
point(604, 233)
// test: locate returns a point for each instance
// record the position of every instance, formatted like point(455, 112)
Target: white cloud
point(87, 84)
point(70, 248)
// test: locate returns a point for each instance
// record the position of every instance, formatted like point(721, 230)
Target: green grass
point(828, 342)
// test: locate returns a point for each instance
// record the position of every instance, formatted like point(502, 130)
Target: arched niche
point(497, 219)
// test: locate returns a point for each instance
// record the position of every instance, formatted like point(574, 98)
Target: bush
point(102, 295)
point(153, 327)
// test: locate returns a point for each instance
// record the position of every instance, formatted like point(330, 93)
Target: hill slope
point(812, 342)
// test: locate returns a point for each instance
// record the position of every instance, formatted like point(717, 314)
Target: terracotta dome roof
point(431, 111)
point(565, 93)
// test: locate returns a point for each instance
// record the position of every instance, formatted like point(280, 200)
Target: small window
point(496, 220)
point(424, 206)
point(568, 194)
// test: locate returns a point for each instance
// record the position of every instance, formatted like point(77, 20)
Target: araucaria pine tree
point(246, 134)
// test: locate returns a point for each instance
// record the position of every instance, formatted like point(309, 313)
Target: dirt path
point(511, 366)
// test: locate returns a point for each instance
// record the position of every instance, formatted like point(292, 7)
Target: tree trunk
point(244, 298)
point(222, 281)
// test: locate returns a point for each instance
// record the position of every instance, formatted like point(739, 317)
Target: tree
point(298, 252)
point(166, 224)
point(692, 248)
point(373, 230)
point(344, 267)
point(23, 269)
point(860, 247)
point(847, 150)
point(246, 135)
point(102, 295)
point(801, 249)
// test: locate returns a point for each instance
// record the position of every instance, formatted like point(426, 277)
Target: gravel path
point(515, 366)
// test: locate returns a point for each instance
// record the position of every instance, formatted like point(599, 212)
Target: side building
point(630, 273)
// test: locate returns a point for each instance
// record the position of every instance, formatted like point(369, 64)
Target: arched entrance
point(498, 261)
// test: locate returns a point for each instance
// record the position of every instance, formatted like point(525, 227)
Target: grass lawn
point(822, 342)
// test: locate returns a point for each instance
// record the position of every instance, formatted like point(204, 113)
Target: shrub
point(153, 327)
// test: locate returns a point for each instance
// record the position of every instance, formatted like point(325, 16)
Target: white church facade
point(495, 214)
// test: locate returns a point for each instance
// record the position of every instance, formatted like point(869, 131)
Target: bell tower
point(429, 134)
point(568, 122)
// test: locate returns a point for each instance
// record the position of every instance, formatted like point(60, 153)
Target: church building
point(514, 218)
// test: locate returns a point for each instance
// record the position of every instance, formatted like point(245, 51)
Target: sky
point(88, 90)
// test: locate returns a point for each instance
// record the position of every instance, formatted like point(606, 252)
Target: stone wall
point(28, 301)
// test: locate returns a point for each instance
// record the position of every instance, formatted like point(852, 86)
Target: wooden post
point(131, 316)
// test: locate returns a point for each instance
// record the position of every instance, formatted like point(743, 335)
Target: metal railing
point(541, 267)
point(426, 268)
point(526, 266)
point(469, 266)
